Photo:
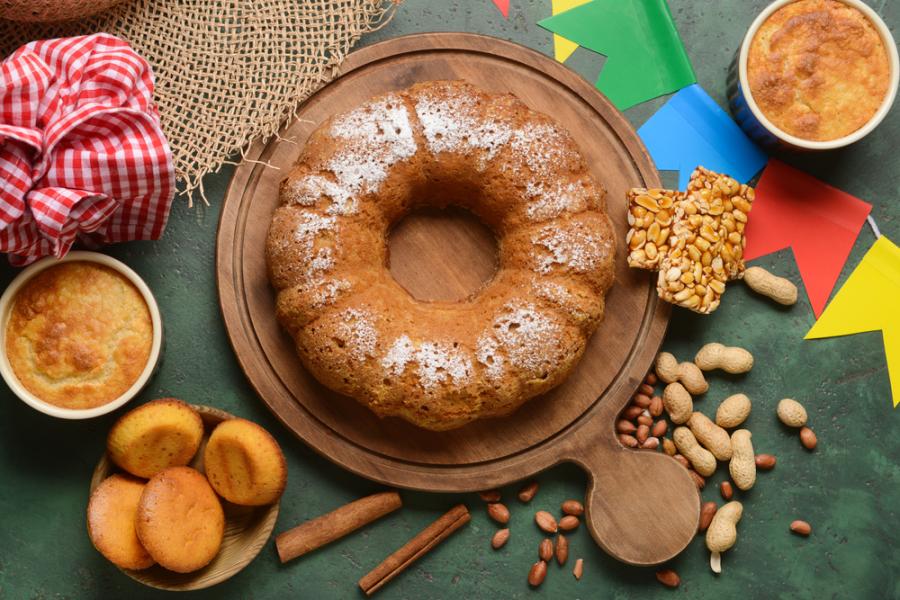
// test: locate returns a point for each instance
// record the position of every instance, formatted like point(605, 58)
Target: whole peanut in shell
point(733, 411)
point(722, 532)
point(678, 403)
point(711, 436)
point(730, 359)
point(666, 367)
point(700, 458)
point(791, 413)
point(778, 289)
point(743, 461)
point(691, 377)
point(688, 374)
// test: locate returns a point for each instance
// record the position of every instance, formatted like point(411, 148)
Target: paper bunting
point(646, 58)
point(503, 7)
point(690, 130)
point(868, 301)
point(818, 222)
point(563, 48)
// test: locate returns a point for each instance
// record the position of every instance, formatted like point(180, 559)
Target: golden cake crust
point(79, 335)
point(244, 463)
point(440, 364)
point(154, 436)
point(180, 520)
point(111, 522)
point(818, 69)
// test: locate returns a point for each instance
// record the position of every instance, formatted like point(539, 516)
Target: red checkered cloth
point(82, 154)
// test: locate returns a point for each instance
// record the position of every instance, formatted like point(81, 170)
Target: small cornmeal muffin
point(111, 522)
point(244, 463)
point(160, 434)
point(180, 520)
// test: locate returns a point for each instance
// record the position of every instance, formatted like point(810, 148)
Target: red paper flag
point(818, 222)
point(503, 6)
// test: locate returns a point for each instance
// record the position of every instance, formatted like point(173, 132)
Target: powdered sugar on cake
point(305, 233)
point(542, 146)
point(573, 248)
point(326, 292)
point(488, 354)
point(377, 135)
point(453, 125)
point(548, 202)
point(356, 328)
point(526, 334)
point(560, 296)
point(437, 361)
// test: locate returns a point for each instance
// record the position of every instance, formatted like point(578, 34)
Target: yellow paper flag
point(869, 301)
point(563, 48)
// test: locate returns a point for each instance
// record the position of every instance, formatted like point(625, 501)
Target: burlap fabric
point(227, 71)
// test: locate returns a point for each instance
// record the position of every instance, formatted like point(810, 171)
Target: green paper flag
point(645, 56)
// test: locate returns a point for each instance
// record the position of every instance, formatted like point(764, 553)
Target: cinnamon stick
point(427, 539)
point(327, 528)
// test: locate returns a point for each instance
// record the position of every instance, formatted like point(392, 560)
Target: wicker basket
point(48, 11)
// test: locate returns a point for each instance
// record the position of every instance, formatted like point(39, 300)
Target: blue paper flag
point(691, 130)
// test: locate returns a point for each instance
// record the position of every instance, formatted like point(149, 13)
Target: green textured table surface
point(848, 489)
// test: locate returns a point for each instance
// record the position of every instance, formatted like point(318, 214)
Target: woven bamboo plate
point(247, 528)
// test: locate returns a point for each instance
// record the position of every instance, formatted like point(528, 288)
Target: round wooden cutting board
point(642, 506)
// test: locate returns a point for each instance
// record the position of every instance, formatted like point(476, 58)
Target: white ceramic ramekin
point(6, 301)
point(762, 130)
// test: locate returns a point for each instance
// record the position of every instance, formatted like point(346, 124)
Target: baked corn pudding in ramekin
point(81, 336)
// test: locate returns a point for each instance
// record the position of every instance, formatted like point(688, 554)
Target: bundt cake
point(440, 365)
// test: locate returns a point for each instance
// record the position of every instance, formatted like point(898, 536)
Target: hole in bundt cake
point(442, 255)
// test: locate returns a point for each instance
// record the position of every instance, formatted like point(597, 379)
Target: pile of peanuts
point(694, 239)
point(700, 443)
point(546, 522)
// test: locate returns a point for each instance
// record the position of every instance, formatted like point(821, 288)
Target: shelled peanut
point(548, 548)
point(639, 425)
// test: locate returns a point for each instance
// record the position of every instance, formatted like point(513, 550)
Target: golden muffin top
point(79, 335)
point(818, 69)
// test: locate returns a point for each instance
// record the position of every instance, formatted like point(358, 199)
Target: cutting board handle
point(642, 506)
